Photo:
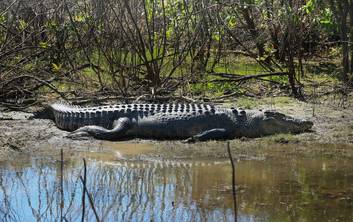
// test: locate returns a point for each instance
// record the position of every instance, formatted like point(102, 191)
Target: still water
point(272, 189)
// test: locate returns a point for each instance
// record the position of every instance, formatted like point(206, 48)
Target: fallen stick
point(238, 77)
point(233, 182)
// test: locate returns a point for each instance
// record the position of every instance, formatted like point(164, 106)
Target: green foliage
point(22, 24)
point(216, 36)
point(326, 19)
point(309, 6)
point(2, 19)
point(2, 32)
point(52, 25)
point(56, 67)
point(231, 21)
point(43, 45)
point(132, 48)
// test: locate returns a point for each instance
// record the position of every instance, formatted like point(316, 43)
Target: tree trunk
point(343, 9)
point(273, 30)
point(291, 74)
point(253, 31)
point(351, 37)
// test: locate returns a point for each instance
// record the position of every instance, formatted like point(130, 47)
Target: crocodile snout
point(307, 125)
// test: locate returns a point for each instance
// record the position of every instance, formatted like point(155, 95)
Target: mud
point(333, 127)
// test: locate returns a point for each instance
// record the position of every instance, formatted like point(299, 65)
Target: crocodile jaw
point(273, 123)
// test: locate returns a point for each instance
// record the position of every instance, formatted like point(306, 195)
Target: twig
point(90, 199)
point(38, 80)
point(61, 184)
point(238, 77)
point(233, 182)
point(83, 192)
point(7, 9)
point(82, 45)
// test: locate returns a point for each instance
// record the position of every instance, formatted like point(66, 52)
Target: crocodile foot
point(190, 140)
point(81, 135)
point(213, 134)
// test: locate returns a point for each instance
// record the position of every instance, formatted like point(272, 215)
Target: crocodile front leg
point(120, 127)
point(213, 134)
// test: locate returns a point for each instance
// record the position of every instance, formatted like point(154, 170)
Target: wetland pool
point(124, 188)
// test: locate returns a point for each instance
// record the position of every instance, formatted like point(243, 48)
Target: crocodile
point(189, 121)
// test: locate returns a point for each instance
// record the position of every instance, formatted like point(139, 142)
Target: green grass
point(251, 103)
point(247, 103)
point(238, 66)
point(279, 100)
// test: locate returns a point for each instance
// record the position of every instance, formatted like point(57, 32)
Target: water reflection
point(120, 193)
point(269, 190)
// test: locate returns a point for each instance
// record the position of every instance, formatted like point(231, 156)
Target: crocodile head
point(274, 122)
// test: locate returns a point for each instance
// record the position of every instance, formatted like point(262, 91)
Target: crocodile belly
point(174, 127)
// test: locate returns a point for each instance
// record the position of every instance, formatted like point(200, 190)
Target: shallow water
point(125, 189)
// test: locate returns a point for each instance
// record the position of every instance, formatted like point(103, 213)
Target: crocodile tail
point(45, 113)
point(64, 106)
point(49, 111)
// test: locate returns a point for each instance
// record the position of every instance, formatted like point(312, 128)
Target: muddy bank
point(332, 135)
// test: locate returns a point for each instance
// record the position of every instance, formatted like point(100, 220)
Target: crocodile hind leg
point(120, 127)
point(213, 134)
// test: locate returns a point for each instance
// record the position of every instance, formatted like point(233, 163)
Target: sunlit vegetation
point(207, 48)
